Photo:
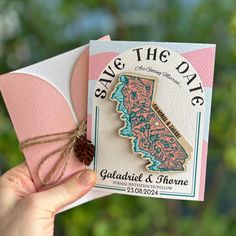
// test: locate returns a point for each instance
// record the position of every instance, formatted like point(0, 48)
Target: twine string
point(65, 150)
point(48, 138)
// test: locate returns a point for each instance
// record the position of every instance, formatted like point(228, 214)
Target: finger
point(18, 181)
point(21, 168)
point(71, 190)
point(15, 184)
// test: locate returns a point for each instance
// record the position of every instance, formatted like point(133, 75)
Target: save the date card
point(148, 116)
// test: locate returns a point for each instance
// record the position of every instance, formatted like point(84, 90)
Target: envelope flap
point(37, 112)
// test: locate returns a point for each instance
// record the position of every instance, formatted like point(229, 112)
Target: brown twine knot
point(77, 143)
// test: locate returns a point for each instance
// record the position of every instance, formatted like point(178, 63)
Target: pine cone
point(84, 150)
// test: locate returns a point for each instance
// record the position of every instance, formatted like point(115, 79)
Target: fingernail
point(86, 178)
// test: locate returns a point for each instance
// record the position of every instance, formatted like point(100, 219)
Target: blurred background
point(33, 30)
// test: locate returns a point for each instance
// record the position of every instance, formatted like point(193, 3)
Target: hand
point(25, 212)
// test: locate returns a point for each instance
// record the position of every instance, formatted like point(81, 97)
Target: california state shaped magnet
point(152, 134)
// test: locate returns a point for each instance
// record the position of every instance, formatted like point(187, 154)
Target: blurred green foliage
point(31, 31)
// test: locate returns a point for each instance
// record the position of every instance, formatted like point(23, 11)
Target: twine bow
point(76, 142)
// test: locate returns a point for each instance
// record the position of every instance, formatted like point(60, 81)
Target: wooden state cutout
point(152, 134)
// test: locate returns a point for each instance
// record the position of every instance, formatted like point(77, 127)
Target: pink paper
point(37, 107)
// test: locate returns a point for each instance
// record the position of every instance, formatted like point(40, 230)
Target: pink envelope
point(46, 98)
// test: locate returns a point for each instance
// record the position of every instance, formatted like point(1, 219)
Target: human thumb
point(69, 191)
